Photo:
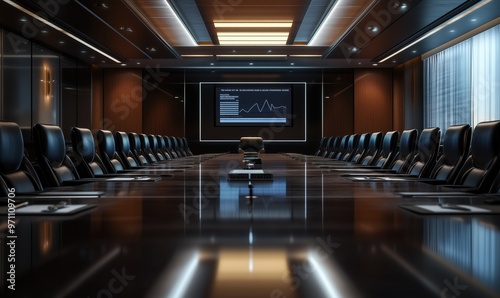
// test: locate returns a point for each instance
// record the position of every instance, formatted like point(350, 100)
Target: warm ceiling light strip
point(287, 24)
point(285, 38)
point(184, 27)
point(252, 33)
point(324, 21)
point(252, 56)
point(252, 42)
point(463, 14)
point(53, 26)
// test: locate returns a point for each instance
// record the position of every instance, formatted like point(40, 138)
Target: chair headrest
point(485, 143)
point(106, 142)
point(11, 147)
point(390, 141)
point(50, 144)
point(407, 142)
point(161, 141)
point(144, 141)
point(456, 142)
point(83, 143)
point(122, 142)
point(135, 141)
point(364, 140)
point(428, 143)
point(375, 141)
point(153, 142)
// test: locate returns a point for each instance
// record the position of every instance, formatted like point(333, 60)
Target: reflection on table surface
point(307, 233)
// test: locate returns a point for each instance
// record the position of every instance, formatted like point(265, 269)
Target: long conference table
point(308, 232)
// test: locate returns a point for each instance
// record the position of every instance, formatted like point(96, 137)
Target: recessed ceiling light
point(138, 63)
point(372, 29)
point(327, 97)
point(211, 63)
point(83, 51)
point(44, 31)
point(23, 19)
point(123, 64)
point(404, 5)
point(473, 20)
point(452, 30)
point(414, 51)
point(374, 64)
point(256, 24)
point(103, 61)
point(61, 42)
point(292, 63)
point(92, 57)
point(251, 63)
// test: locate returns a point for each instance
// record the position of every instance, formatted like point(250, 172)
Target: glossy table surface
point(309, 232)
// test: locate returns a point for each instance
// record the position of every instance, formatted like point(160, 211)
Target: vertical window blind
point(462, 83)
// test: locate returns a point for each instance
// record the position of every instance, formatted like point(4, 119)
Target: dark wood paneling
point(408, 95)
point(338, 118)
point(84, 95)
point(123, 99)
point(97, 98)
point(372, 100)
point(163, 114)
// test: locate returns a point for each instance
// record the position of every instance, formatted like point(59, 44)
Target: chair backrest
point(321, 147)
point(456, 143)
point(352, 146)
point(50, 147)
point(153, 142)
point(427, 150)
point(179, 146)
point(335, 147)
point(373, 150)
point(87, 162)
point(186, 146)
point(362, 150)
point(136, 148)
point(483, 163)
point(342, 149)
point(108, 153)
point(251, 144)
point(124, 150)
point(15, 169)
point(406, 151)
point(327, 143)
point(389, 150)
point(170, 147)
point(146, 149)
point(162, 146)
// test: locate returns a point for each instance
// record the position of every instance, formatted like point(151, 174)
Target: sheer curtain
point(461, 83)
point(486, 76)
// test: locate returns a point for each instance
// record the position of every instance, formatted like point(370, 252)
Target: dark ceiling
point(141, 33)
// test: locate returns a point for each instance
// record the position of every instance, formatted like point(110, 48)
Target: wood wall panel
point(163, 114)
point(122, 95)
point(372, 100)
point(97, 98)
point(338, 117)
point(408, 95)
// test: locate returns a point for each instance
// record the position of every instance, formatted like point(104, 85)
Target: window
point(461, 83)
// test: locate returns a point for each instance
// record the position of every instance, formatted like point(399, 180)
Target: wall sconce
point(47, 83)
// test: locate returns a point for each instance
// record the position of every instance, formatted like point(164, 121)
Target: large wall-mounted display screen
point(253, 105)
point(275, 111)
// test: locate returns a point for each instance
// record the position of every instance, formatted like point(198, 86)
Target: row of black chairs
point(56, 164)
point(462, 160)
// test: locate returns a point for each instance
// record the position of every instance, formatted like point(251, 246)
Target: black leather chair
point(373, 150)
point(335, 148)
point(16, 170)
point(456, 143)
point(427, 150)
point(162, 146)
point(107, 151)
point(178, 147)
point(342, 148)
point(352, 146)
point(186, 146)
point(88, 163)
point(153, 142)
point(326, 146)
point(406, 151)
point(362, 150)
point(482, 166)
point(136, 149)
point(124, 150)
point(389, 150)
point(170, 147)
point(321, 147)
point(56, 167)
point(146, 149)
